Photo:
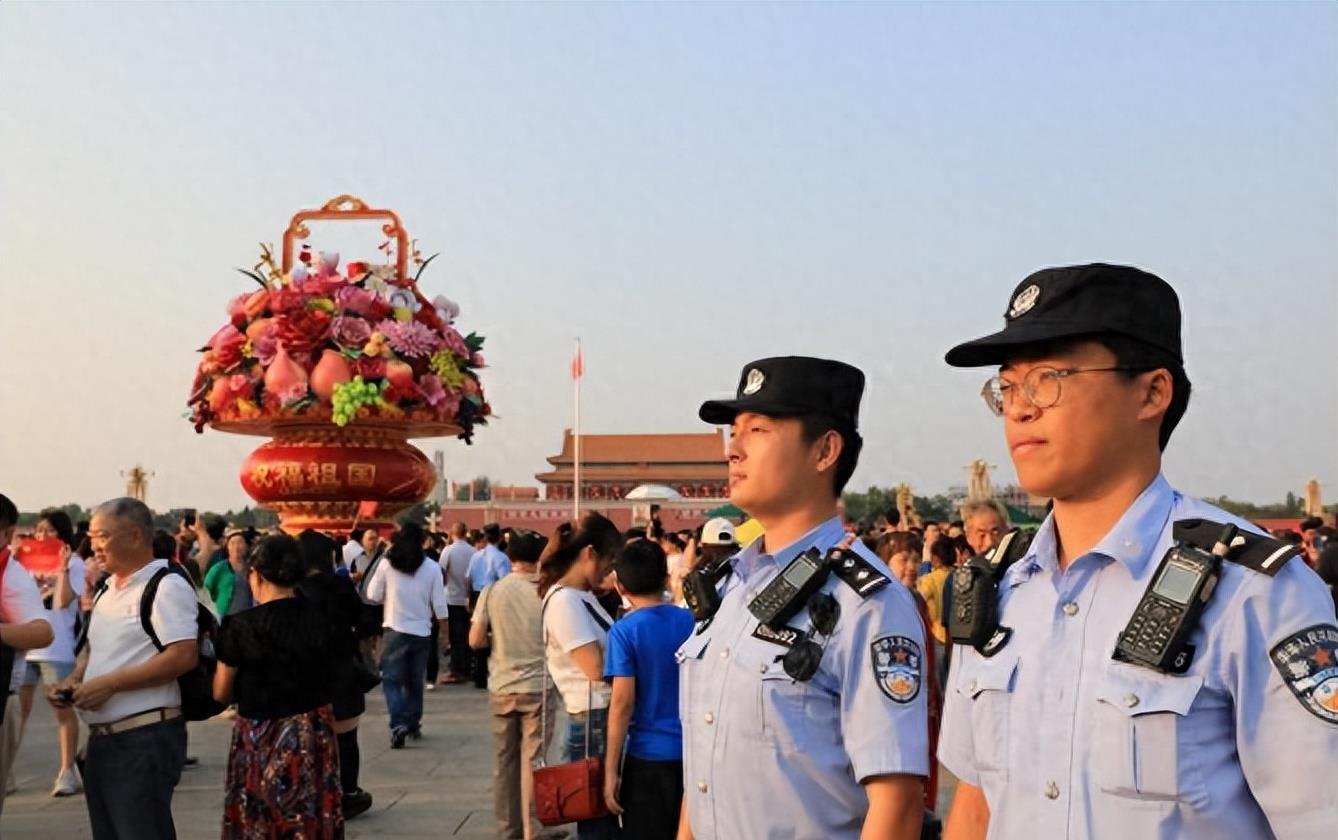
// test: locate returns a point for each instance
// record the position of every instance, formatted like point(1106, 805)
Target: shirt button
point(764, 668)
point(1070, 609)
point(1051, 790)
point(724, 654)
point(701, 787)
point(1131, 700)
point(710, 718)
point(971, 686)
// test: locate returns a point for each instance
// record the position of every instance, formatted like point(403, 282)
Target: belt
point(134, 721)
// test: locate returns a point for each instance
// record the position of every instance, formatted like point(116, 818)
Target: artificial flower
point(355, 300)
point(369, 367)
point(300, 330)
point(447, 309)
point(456, 343)
point(432, 390)
point(349, 332)
point(447, 368)
point(410, 338)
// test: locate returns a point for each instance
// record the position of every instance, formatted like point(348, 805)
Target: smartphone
point(40, 556)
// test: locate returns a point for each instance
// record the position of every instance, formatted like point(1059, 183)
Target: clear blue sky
point(687, 187)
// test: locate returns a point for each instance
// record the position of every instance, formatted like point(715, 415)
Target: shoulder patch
point(856, 572)
point(1308, 663)
point(896, 665)
point(1258, 553)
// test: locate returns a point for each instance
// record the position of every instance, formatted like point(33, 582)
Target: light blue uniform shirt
point(498, 563)
point(1067, 743)
point(765, 756)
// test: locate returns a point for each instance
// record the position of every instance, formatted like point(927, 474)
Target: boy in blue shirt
point(639, 660)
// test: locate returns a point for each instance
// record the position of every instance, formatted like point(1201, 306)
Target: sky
point(685, 187)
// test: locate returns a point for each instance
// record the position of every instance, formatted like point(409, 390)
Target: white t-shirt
point(455, 562)
point(61, 648)
point(116, 639)
point(572, 618)
point(20, 603)
point(410, 600)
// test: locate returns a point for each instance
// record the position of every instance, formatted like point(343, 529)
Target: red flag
point(577, 364)
point(366, 510)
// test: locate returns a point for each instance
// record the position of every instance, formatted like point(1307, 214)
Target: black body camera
point(789, 591)
point(1157, 635)
point(974, 617)
point(700, 588)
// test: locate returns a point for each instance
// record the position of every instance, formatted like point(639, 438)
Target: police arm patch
point(1308, 663)
point(896, 665)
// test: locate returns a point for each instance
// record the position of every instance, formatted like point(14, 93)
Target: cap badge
point(754, 383)
point(1024, 301)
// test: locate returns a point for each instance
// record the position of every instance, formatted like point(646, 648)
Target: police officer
point(815, 726)
point(1052, 735)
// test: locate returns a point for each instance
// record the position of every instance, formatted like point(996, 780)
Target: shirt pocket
point(989, 683)
point(1143, 744)
point(791, 715)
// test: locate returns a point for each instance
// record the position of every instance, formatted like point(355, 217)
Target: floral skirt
point(283, 779)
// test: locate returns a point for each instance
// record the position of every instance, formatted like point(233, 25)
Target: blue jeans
point(598, 721)
point(129, 778)
point(403, 669)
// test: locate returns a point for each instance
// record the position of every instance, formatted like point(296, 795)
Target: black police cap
point(1076, 301)
point(790, 386)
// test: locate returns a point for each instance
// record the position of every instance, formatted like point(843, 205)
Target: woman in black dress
point(274, 662)
point(347, 623)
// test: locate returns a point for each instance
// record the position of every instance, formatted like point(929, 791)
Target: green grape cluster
point(350, 396)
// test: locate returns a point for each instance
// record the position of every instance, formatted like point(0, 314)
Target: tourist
point(508, 619)
point(50, 665)
point(221, 579)
point(644, 783)
point(210, 536)
point(126, 688)
point(274, 661)
point(342, 608)
point(984, 523)
point(411, 591)
point(575, 629)
point(455, 567)
point(24, 625)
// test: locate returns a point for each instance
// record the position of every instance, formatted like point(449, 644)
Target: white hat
point(718, 532)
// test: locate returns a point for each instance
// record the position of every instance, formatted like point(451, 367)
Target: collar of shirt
point(752, 560)
point(1131, 540)
point(120, 582)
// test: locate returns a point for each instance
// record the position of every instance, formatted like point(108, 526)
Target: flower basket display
point(341, 367)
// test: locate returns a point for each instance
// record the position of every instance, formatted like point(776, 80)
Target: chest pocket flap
point(989, 683)
point(1144, 744)
point(993, 674)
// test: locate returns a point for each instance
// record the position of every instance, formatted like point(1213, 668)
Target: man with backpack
point(126, 685)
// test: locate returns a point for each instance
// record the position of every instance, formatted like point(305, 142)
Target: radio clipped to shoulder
point(974, 616)
point(789, 591)
point(1157, 635)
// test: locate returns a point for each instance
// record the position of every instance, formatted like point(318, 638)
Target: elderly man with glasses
point(125, 687)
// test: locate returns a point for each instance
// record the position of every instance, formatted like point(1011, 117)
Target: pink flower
point(477, 360)
point(355, 299)
point(294, 393)
point(455, 343)
point(264, 346)
point(323, 285)
point(410, 338)
point(349, 331)
point(432, 390)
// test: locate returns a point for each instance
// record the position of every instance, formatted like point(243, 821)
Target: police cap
point(791, 386)
point(1076, 301)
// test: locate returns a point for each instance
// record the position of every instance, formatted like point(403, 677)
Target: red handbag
point(571, 792)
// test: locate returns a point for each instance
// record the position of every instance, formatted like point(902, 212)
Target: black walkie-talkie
point(789, 591)
point(974, 617)
point(1157, 635)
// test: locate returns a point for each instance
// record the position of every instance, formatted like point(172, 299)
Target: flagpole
point(578, 371)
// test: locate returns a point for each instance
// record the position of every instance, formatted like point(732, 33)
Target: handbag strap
point(589, 684)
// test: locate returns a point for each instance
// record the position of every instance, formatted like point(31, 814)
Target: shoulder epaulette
point(857, 573)
point(1256, 552)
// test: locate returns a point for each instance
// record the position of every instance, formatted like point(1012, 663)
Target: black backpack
point(197, 684)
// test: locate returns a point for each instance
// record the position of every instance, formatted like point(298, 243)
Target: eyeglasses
point(1041, 386)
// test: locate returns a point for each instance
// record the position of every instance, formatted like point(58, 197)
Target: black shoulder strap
point(856, 572)
point(594, 613)
point(146, 604)
point(1256, 552)
point(98, 589)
